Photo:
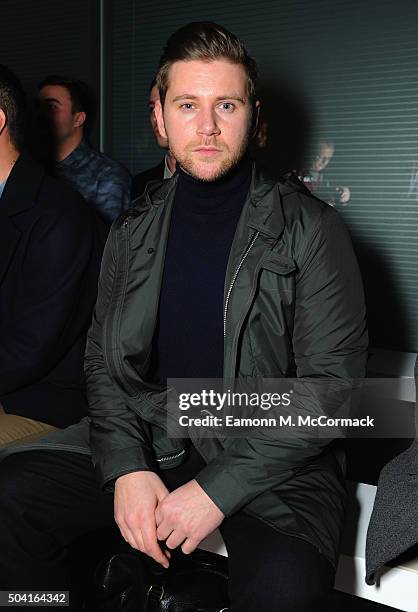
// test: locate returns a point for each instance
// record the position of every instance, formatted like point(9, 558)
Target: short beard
point(188, 165)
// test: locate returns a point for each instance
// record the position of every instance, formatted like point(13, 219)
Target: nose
point(153, 120)
point(207, 123)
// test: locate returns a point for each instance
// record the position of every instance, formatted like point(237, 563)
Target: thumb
point(162, 492)
point(158, 515)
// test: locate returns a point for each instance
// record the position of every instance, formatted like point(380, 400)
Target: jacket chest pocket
point(277, 275)
point(266, 348)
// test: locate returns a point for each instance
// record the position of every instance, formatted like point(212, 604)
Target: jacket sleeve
point(329, 340)
point(118, 440)
point(51, 285)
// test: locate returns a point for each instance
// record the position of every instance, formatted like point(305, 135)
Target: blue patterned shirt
point(102, 181)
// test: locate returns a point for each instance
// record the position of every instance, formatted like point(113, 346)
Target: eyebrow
point(218, 98)
point(52, 100)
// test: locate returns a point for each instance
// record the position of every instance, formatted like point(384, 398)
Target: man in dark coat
point(49, 264)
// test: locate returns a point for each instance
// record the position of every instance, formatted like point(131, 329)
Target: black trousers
point(48, 499)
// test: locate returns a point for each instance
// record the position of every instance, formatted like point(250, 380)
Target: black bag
point(134, 583)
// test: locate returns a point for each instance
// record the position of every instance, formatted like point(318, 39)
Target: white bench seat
point(398, 586)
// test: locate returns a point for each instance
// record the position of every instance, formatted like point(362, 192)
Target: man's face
point(153, 97)
point(206, 116)
point(56, 102)
point(323, 158)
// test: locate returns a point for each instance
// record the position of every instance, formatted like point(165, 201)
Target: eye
point(187, 106)
point(227, 107)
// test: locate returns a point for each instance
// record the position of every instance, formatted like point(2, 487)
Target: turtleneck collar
point(215, 196)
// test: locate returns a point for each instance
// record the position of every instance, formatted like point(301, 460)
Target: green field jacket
point(294, 307)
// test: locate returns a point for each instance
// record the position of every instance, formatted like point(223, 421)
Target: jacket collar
point(265, 209)
point(21, 186)
point(267, 195)
point(264, 202)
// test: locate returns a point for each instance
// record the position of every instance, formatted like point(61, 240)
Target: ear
point(256, 117)
point(158, 110)
point(79, 119)
point(3, 120)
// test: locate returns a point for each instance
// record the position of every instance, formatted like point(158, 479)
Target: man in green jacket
point(216, 273)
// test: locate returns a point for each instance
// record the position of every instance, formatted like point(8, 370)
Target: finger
point(165, 550)
point(189, 546)
point(151, 545)
point(175, 539)
point(133, 539)
point(129, 531)
point(138, 542)
point(163, 531)
point(163, 493)
point(158, 516)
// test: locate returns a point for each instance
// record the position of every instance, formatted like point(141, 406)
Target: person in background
point(316, 182)
point(103, 182)
point(167, 166)
point(50, 256)
point(413, 181)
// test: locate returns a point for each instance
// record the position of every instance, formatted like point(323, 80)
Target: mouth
point(207, 151)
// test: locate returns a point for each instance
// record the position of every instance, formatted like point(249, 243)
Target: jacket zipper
point(228, 295)
point(171, 457)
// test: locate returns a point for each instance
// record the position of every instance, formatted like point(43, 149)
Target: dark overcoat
point(50, 253)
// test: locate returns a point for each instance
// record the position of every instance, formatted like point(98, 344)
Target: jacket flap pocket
point(278, 264)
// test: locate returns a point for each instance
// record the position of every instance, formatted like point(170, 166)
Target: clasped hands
point(147, 513)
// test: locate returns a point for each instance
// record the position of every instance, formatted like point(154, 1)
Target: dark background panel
point(52, 37)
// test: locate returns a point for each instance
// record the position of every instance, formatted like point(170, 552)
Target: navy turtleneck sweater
point(189, 336)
